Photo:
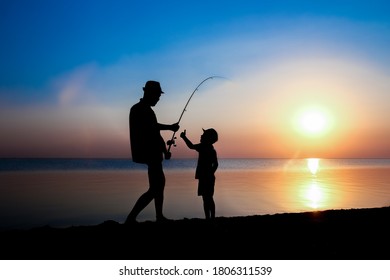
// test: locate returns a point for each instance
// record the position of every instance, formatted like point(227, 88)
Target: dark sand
point(355, 234)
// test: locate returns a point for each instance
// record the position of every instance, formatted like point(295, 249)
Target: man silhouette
point(148, 147)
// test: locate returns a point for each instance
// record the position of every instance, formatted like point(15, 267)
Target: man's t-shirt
point(145, 139)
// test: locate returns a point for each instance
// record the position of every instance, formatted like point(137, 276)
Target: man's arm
point(174, 127)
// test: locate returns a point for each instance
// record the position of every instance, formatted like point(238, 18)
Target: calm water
point(64, 192)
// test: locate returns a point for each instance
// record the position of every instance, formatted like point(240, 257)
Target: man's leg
point(157, 185)
point(141, 203)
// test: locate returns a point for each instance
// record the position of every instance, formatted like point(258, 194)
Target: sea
point(81, 192)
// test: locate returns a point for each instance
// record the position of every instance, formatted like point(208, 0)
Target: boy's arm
point(186, 140)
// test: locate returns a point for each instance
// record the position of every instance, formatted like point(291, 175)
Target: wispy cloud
point(73, 88)
point(273, 68)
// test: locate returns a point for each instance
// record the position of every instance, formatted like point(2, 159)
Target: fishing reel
point(172, 142)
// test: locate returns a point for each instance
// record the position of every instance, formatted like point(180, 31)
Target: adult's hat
point(153, 86)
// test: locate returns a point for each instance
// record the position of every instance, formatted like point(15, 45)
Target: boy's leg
point(206, 207)
point(209, 207)
point(212, 208)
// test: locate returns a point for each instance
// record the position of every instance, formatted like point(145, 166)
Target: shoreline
point(75, 198)
point(353, 234)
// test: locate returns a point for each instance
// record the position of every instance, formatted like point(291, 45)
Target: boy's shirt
point(207, 161)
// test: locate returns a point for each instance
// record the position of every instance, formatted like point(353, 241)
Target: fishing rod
point(172, 141)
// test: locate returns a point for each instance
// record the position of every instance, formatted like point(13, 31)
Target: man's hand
point(183, 134)
point(175, 127)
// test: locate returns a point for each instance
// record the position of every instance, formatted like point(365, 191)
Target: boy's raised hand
point(183, 134)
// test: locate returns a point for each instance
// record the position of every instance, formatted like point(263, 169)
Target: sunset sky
point(301, 78)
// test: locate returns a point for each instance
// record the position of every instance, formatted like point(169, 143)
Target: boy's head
point(209, 136)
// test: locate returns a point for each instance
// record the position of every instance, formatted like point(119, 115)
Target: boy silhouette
point(206, 167)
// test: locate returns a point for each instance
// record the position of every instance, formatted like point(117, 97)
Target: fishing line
point(172, 141)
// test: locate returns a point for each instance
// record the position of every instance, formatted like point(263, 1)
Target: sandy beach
point(357, 234)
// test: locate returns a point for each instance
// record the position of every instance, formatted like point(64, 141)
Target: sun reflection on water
point(314, 194)
point(313, 165)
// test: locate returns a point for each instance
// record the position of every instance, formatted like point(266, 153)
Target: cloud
point(272, 70)
point(73, 87)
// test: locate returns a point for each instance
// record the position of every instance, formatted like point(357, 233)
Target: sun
point(313, 121)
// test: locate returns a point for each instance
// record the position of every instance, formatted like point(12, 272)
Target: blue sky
point(71, 70)
point(42, 39)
